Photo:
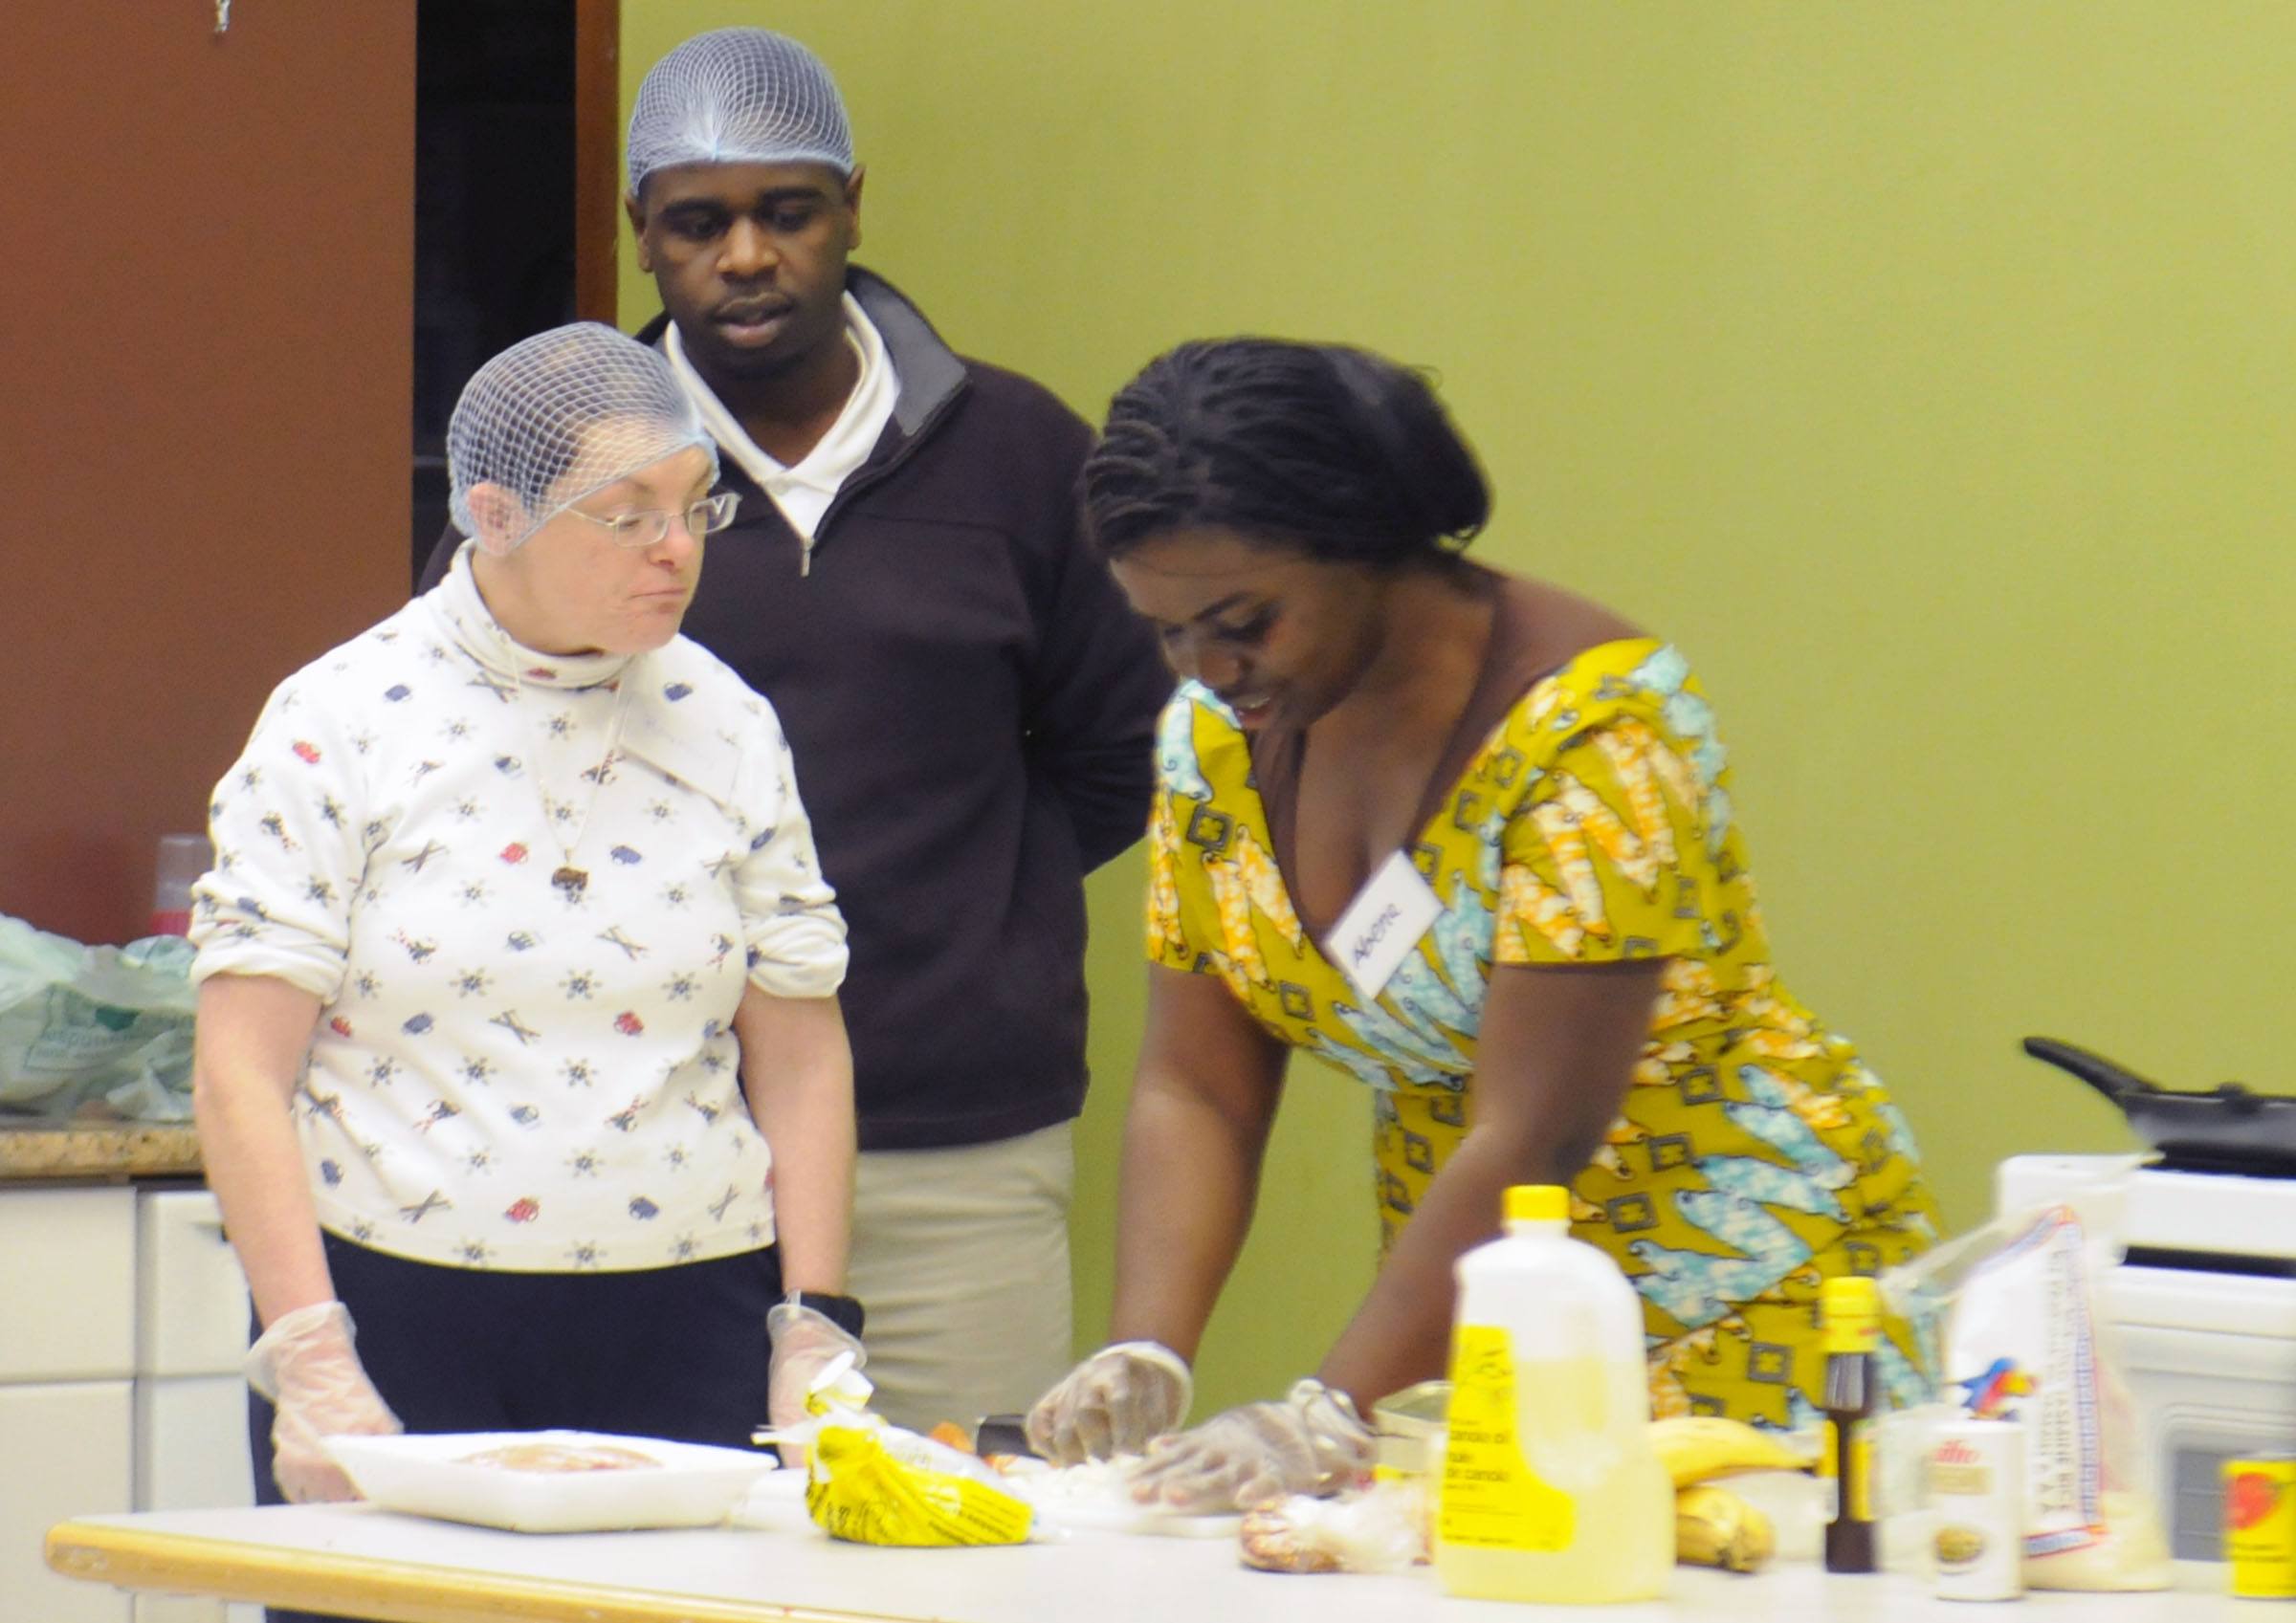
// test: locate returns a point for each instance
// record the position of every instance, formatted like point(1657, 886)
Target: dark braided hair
point(1335, 450)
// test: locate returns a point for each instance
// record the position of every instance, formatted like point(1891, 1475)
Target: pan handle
point(2100, 1073)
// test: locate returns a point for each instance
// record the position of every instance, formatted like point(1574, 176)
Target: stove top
point(2221, 1166)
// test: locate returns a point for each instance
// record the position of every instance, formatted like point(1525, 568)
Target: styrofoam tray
point(423, 1475)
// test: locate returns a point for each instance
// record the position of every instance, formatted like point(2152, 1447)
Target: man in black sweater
point(970, 703)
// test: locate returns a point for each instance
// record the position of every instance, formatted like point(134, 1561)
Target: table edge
point(386, 1590)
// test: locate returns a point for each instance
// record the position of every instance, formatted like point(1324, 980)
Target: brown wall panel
point(598, 171)
point(206, 282)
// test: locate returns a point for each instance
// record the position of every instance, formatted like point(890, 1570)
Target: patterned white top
point(510, 1073)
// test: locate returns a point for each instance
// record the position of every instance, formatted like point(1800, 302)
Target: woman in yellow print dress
point(1572, 984)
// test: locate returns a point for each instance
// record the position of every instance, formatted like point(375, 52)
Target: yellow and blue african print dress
point(1755, 1154)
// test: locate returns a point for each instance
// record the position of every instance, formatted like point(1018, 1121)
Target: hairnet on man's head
point(562, 415)
point(738, 95)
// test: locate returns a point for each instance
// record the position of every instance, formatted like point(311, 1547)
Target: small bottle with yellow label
point(1851, 1311)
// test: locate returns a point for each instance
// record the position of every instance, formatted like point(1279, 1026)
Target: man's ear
point(497, 515)
point(852, 205)
point(635, 212)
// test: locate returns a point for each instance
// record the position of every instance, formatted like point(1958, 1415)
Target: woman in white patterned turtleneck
point(518, 1034)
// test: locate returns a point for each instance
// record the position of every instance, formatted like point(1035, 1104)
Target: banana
point(1715, 1527)
point(1698, 1448)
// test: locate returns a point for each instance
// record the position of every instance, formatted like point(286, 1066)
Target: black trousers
point(676, 1353)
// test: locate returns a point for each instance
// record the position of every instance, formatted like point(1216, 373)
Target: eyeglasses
point(648, 527)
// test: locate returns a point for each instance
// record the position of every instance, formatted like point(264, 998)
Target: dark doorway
point(516, 146)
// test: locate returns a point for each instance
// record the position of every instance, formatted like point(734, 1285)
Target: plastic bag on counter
point(871, 1481)
point(95, 1030)
point(2009, 1316)
point(1383, 1528)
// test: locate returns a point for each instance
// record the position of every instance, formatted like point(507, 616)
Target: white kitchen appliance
point(2204, 1317)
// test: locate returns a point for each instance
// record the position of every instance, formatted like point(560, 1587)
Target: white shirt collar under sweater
point(474, 629)
point(804, 489)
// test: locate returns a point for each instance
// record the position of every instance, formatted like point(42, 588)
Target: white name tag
point(1381, 925)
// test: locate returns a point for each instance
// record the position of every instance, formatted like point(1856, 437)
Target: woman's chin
point(643, 637)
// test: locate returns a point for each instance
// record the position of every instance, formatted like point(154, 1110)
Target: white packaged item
point(2021, 1337)
point(1380, 1529)
point(464, 1476)
point(1551, 1490)
point(2209, 1354)
point(1977, 1480)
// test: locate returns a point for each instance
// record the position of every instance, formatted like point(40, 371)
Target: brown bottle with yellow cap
point(1850, 1310)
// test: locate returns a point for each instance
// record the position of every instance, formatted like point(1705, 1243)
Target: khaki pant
point(960, 1257)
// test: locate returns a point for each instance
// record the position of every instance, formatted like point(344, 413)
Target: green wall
point(1925, 371)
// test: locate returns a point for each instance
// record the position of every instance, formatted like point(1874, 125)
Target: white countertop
point(401, 1567)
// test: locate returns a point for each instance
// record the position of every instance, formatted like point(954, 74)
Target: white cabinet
point(66, 1449)
point(190, 1443)
point(190, 1416)
point(190, 1453)
point(67, 1284)
point(122, 1321)
point(190, 1297)
point(67, 1406)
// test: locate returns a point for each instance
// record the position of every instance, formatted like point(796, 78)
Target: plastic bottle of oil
point(1550, 1490)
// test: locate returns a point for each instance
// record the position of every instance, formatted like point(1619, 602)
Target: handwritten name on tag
point(1381, 926)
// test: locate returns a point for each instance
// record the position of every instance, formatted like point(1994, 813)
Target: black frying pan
point(2228, 1129)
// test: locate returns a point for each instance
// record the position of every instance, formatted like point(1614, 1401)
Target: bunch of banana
point(1702, 1448)
point(1713, 1527)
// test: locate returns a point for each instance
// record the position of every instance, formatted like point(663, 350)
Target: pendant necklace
point(567, 879)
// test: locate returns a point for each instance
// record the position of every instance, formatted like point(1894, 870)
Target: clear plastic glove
point(804, 1342)
point(1310, 1444)
point(1111, 1403)
point(304, 1364)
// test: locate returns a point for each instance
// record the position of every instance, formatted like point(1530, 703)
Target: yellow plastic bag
point(869, 1481)
point(873, 1484)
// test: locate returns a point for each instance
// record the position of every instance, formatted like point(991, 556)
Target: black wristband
point(843, 1312)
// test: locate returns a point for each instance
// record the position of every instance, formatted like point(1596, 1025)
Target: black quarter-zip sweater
point(972, 709)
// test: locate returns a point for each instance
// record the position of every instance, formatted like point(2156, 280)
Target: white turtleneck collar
point(472, 626)
point(679, 738)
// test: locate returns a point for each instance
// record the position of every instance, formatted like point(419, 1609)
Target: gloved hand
point(305, 1365)
point(1312, 1442)
point(804, 1342)
point(1111, 1403)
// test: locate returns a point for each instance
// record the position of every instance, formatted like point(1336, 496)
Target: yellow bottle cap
point(1537, 1203)
point(1850, 1306)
